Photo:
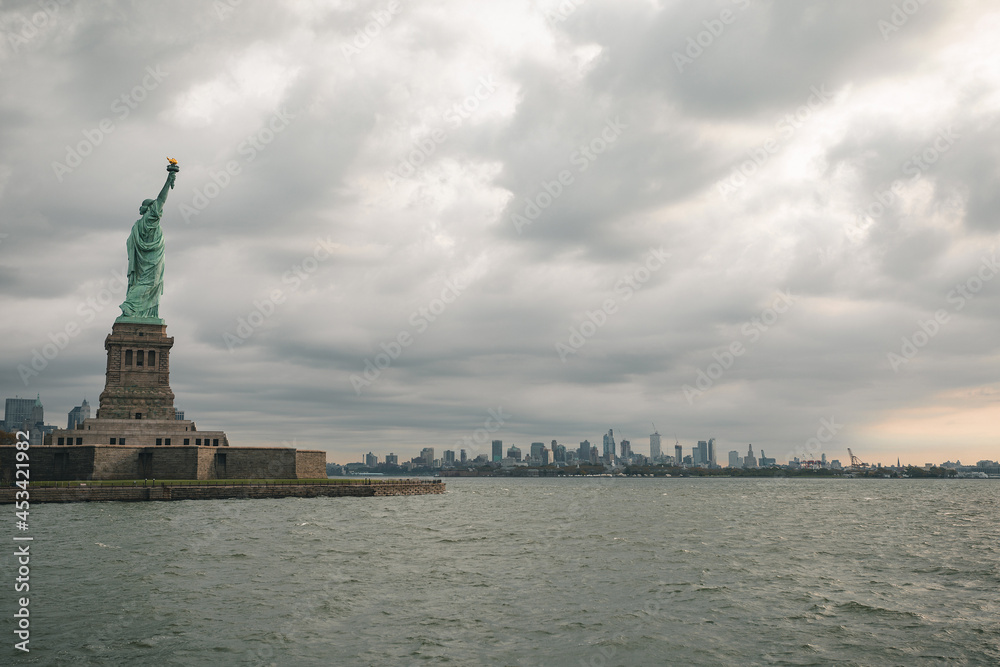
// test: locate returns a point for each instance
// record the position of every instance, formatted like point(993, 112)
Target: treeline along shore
point(667, 471)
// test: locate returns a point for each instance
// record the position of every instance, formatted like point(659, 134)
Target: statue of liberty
point(145, 258)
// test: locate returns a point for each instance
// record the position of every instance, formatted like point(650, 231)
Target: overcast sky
point(733, 219)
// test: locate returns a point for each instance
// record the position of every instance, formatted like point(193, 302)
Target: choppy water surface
point(528, 572)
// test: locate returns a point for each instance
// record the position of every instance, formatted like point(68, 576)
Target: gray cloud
point(355, 111)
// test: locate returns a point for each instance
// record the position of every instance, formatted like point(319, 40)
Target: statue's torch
point(172, 168)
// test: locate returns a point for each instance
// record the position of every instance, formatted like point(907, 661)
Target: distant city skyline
point(689, 445)
point(702, 453)
point(567, 459)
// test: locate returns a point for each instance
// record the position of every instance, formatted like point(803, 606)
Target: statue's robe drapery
point(145, 265)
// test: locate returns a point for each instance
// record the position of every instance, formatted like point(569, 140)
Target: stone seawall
point(75, 494)
point(188, 462)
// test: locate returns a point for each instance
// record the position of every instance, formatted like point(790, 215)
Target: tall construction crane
point(855, 461)
point(623, 437)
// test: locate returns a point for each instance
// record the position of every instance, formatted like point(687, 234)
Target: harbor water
point(547, 572)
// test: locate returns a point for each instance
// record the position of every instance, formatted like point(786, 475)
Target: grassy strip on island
point(211, 482)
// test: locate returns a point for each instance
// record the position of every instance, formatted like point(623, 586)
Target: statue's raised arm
point(145, 257)
point(169, 185)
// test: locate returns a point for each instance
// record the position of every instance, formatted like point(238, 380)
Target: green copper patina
point(145, 260)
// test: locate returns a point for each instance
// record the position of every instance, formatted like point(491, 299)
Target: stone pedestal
point(137, 384)
point(137, 405)
point(136, 433)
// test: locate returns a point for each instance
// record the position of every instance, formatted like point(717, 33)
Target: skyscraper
point(371, 460)
point(26, 414)
point(583, 452)
point(699, 455)
point(497, 450)
point(710, 452)
point(17, 413)
point(734, 459)
point(449, 457)
point(536, 450)
point(37, 412)
point(427, 454)
point(678, 454)
point(78, 414)
point(514, 452)
point(654, 446)
point(609, 446)
point(626, 449)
